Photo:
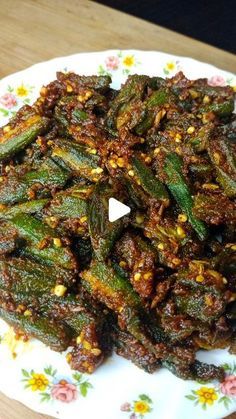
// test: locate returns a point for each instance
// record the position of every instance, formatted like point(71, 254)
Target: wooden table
point(37, 30)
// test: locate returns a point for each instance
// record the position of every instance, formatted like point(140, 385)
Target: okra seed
point(157, 151)
point(139, 219)
point(57, 242)
point(180, 232)
point(208, 300)
point(190, 130)
point(78, 340)
point(69, 88)
point(199, 278)
point(206, 99)
point(83, 219)
point(27, 313)
point(60, 290)
point(137, 276)
point(96, 351)
point(69, 358)
point(176, 261)
point(148, 275)
point(92, 150)
point(216, 158)
point(120, 162)
point(148, 160)
point(178, 137)
point(123, 264)
point(6, 129)
point(182, 218)
point(113, 164)
point(87, 345)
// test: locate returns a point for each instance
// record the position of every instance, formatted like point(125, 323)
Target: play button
point(117, 210)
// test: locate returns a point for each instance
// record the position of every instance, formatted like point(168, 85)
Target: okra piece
point(99, 83)
point(222, 154)
point(16, 138)
point(133, 89)
point(37, 183)
point(90, 350)
point(222, 109)
point(78, 160)
point(157, 99)
point(178, 187)
point(214, 209)
point(9, 240)
point(149, 182)
point(140, 258)
point(206, 300)
point(198, 371)
point(31, 207)
point(130, 348)
point(41, 241)
point(53, 334)
point(26, 277)
point(116, 293)
point(113, 290)
point(71, 203)
point(103, 233)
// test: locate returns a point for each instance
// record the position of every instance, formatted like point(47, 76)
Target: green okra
point(193, 300)
point(113, 290)
point(26, 277)
point(54, 334)
point(9, 240)
point(77, 159)
point(103, 233)
point(35, 232)
point(71, 203)
point(116, 292)
point(149, 182)
point(157, 98)
point(178, 187)
point(24, 133)
point(99, 83)
point(221, 109)
point(17, 188)
point(31, 207)
point(133, 89)
point(222, 155)
point(198, 371)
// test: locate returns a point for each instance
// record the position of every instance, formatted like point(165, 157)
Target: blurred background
point(213, 22)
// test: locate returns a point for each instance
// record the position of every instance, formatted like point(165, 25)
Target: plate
point(40, 378)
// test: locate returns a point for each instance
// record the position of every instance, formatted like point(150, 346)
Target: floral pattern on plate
point(51, 387)
point(224, 393)
point(139, 408)
point(125, 63)
point(14, 98)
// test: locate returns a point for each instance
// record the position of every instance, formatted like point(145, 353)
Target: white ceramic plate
point(41, 378)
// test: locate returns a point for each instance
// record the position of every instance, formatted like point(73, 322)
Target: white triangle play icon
point(117, 210)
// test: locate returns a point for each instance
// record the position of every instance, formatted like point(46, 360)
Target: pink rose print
point(64, 392)
point(216, 81)
point(8, 100)
point(125, 407)
point(228, 386)
point(112, 63)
